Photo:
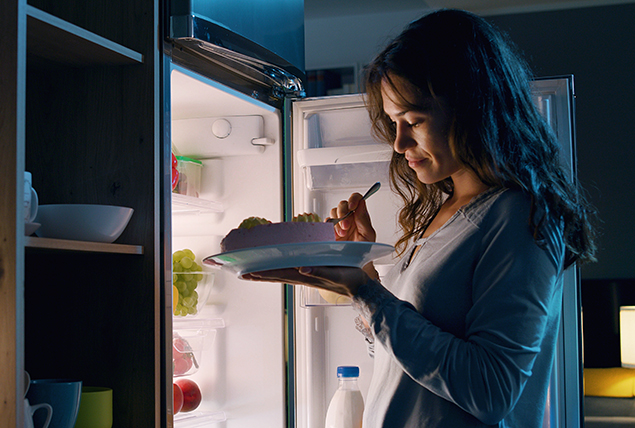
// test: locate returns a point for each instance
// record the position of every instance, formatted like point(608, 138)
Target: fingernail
point(305, 270)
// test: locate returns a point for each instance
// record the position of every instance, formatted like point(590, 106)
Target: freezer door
point(271, 31)
point(333, 155)
point(240, 368)
point(259, 45)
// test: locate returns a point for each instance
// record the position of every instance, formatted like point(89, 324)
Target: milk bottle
point(347, 405)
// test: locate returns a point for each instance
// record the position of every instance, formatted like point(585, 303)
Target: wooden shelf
point(55, 39)
point(68, 245)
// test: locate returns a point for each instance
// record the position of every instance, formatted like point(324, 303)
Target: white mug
point(30, 410)
point(30, 199)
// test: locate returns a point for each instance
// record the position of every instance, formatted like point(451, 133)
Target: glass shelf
point(193, 205)
point(198, 419)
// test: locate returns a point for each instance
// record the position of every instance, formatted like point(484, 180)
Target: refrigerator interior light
point(205, 137)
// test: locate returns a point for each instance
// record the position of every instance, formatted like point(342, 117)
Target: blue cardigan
point(465, 331)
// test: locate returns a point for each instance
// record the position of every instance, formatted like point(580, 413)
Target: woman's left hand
point(342, 280)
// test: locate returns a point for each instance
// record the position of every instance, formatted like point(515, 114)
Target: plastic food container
point(190, 170)
point(194, 289)
point(189, 339)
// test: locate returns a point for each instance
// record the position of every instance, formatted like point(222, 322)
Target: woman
point(464, 326)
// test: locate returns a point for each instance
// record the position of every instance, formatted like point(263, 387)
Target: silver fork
point(373, 189)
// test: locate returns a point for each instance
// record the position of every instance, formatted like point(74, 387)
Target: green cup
point(95, 408)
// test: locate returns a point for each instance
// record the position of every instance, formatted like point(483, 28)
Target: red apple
point(178, 399)
point(191, 394)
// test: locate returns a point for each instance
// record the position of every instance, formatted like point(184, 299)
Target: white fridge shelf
point(182, 204)
point(344, 155)
point(198, 419)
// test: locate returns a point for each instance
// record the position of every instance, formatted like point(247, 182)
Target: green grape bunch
point(186, 274)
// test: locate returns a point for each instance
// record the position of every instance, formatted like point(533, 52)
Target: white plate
point(342, 253)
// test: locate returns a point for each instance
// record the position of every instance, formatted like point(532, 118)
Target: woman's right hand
point(357, 227)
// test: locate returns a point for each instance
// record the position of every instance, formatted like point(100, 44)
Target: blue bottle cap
point(348, 371)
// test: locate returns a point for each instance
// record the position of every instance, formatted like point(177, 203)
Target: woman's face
point(421, 134)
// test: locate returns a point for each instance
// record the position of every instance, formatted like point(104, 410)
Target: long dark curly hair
point(497, 131)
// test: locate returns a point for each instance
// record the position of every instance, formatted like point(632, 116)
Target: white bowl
point(96, 223)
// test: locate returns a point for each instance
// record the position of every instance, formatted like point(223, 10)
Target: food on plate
point(307, 218)
point(250, 222)
point(191, 394)
point(178, 398)
point(182, 356)
point(186, 274)
point(258, 232)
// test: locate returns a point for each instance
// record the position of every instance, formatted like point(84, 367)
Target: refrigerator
point(266, 354)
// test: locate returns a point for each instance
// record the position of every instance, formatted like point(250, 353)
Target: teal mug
point(62, 394)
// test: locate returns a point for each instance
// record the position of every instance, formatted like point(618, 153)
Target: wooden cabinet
point(80, 108)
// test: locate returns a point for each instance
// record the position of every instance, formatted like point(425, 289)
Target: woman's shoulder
point(498, 202)
point(508, 215)
point(512, 210)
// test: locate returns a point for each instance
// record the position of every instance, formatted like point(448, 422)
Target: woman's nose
point(403, 141)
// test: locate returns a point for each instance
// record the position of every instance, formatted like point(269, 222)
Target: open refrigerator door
point(334, 156)
point(555, 98)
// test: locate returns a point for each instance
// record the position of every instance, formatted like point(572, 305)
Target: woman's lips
point(413, 163)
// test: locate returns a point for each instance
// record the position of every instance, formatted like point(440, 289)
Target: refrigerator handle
point(264, 141)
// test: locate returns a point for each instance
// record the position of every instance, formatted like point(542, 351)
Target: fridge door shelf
point(333, 121)
point(344, 167)
point(183, 204)
point(198, 419)
point(346, 176)
point(179, 324)
point(344, 155)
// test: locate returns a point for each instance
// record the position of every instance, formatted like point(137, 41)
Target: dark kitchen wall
point(595, 44)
